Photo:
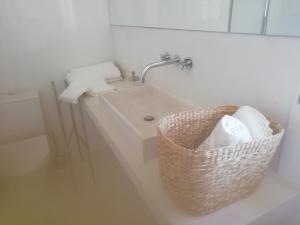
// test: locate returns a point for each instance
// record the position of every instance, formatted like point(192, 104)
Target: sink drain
point(149, 118)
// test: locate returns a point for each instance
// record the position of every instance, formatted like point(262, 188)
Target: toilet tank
point(20, 116)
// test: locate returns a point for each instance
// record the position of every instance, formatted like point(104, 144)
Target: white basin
point(132, 105)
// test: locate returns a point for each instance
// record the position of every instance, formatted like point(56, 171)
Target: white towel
point(91, 80)
point(105, 71)
point(228, 131)
point(256, 122)
point(73, 92)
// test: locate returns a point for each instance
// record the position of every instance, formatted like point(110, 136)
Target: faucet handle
point(177, 60)
point(165, 57)
point(187, 64)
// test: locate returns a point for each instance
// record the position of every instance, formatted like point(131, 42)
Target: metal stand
point(75, 132)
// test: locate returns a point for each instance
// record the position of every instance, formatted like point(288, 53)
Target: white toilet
point(23, 143)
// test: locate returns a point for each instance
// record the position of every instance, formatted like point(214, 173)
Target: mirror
point(208, 15)
point(247, 16)
point(265, 17)
point(284, 18)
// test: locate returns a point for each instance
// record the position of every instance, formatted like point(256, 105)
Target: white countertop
point(271, 195)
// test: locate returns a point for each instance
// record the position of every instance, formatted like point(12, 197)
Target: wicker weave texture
point(202, 182)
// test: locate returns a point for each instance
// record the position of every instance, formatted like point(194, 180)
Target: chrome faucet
point(166, 59)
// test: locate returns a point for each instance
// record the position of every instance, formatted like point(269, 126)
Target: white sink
point(132, 105)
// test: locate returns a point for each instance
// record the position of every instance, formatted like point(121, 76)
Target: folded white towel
point(91, 80)
point(73, 92)
point(105, 71)
point(228, 131)
point(256, 122)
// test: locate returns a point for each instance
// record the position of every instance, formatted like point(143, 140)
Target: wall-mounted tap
point(166, 59)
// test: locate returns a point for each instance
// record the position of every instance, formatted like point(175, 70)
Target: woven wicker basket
point(202, 182)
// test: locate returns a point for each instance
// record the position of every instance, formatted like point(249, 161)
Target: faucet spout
point(166, 59)
point(154, 65)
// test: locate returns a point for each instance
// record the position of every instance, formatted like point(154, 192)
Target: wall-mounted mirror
point(267, 17)
point(209, 15)
point(247, 16)
point(284, 18)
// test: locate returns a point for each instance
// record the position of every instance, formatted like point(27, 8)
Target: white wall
point(41, 39)
point(229, 68)
point(289, 164)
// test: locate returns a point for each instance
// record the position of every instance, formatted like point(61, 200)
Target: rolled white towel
point(256, 122)
point(228, 131)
